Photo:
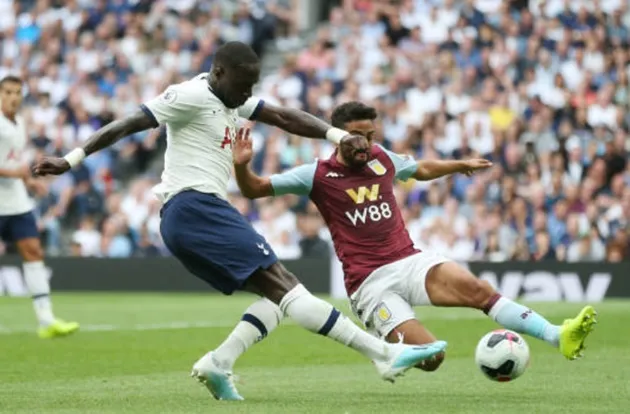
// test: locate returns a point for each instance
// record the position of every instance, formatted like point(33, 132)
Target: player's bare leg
point(36, 278)
point(281, 287)
point(413, 332)
point(316, 315)
point(449, 284)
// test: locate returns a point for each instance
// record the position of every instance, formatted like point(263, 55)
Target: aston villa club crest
point(383, 313)
point(377, 167)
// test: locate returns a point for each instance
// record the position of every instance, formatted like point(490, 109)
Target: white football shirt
point(14, 198)
point(199, 135)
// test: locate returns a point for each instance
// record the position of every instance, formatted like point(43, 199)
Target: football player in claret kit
point(385, 275)
point(17, 221)
point(209, 236)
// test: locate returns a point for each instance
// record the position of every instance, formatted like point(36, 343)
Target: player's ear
point(217, 72)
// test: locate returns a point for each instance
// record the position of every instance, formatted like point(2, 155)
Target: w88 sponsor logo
point(373, 213)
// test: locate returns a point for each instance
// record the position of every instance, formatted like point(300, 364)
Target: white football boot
point(403, 357)
point(218, 381)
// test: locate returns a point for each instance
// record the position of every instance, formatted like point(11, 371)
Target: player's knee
point(273, 283)
point(432, 364)
point(31, 251)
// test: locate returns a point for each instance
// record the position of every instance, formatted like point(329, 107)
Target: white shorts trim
point(387, 297)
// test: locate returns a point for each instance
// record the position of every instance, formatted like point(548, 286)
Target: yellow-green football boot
point(573, 333)
point(58, 329)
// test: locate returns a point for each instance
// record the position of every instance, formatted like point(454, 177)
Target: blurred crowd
point(87, 62)
point(539, 87)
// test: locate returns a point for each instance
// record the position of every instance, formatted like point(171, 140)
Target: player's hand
point(242, 152)
point(475, 164)
point(351, 145)
point(51, 166)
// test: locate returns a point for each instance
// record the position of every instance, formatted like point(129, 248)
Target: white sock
point(321, 317)
point(36, 278)
point(262, 317)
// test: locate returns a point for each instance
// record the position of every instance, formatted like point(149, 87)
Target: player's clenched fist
point(242, 150)
point(470, 166)
point(51, 166)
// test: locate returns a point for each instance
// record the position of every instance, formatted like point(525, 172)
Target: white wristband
point(335, 135)
point(75, 157)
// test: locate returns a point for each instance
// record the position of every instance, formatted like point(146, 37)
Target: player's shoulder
point(380, 153)
point(378, 149)
point(192, 91)
point(326, 169)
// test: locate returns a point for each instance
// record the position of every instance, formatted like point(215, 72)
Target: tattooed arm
point(103, 138)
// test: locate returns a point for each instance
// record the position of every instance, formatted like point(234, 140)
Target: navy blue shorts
point(18, 227)
point(213, 240)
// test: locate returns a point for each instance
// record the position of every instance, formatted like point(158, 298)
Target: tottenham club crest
point(169, 96)
point(377, 167)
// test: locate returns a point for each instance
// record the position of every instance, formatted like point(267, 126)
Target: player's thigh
point(413, 332)
point(214, 241)
point(394, 319)
point(450, 284)
point(390, 311)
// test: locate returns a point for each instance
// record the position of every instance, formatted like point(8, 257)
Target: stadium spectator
point(541, 88)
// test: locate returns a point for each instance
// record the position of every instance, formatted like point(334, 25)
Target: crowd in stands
point(539, 87)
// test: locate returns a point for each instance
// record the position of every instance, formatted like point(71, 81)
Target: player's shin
point(36, 278)
point(321, 317)
point(516, 317)
point(262, 317)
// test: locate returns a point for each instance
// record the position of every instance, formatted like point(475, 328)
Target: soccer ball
point(502, 355)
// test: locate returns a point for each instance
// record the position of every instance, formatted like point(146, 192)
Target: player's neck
point(340, 159)
point(214, 90)
point(9, 115)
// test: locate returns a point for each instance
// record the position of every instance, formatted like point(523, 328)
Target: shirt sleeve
point(406, 166)
point(178, 103)
point(298, 180)
point(251, 108)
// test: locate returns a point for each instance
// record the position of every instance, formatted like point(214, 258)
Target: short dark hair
point(10, 79)
point(352, 111)
point(231, 55)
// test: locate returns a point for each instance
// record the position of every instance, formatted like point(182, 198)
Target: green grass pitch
point(135, 353)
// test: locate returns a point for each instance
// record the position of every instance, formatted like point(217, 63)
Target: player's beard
point(355, 158)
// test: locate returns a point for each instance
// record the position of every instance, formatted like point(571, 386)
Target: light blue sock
point(518, 318)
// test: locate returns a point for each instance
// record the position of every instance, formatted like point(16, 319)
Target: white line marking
point(136, 327)
point(176, 325)
point(4, 330)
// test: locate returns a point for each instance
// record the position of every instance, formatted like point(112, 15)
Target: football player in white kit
point(17, 222)
point(208, 235)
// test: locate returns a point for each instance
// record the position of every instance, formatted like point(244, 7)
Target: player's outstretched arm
point(298, 180)
point(296, 122)
point(425, 170)
point(20, 172)
point(103, 138)
point(250, 184)
point(431, 169)
point(304, 124)
point(117, 130)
